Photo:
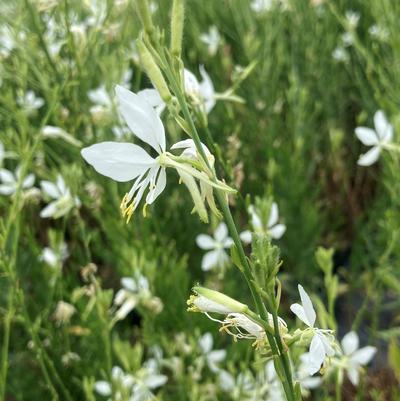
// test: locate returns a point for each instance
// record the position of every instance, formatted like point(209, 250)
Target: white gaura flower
point(212, 39)
point(307, 382)
point(30, 102)
point(378, 138)
point(119, 381)
point(352, 19)
point(322, 340)
point(273, 227)
point(340, 54)
point(212, 357)
point(55, 257)
point(126, 161)
point(354, 358)
point(216, 255)
point(146, 380)
point(134, 290)
point(9, 181)
point(153, 98)
point(61, 199)
point(202, 93)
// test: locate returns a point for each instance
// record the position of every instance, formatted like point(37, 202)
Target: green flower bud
point(208, 300)
point(177, 20)
point(154, 73)
point(145, 16)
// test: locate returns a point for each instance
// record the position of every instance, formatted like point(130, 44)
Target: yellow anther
point(145, 210)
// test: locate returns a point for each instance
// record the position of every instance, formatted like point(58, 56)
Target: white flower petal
point(308, 306)
point(126, 308)
point(50, 189)
point(246, 236)
point(207, 90)
point(364, 355)
point(370, 157)
point(204, 241)
point(298, 310)
point(154, 381)
point(119, 161)
point(6, 176)
point(49, 210)
point(153, 98)
point(273, 215)
point(277, 231)
point(217, 356)
point(206, 343)
point(350, 342)
point(221, 232)
point(367, 136)
point(28, 181)
point(7, 189)
point(129, 283)
point(316, 354)
point(353, 374)
point(103, 388)
point(187, 143)
point(210, 260)
point(141, 118)
point(381, 124)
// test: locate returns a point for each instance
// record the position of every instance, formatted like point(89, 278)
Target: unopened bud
point(208, 300)
point(154, 73)
point(145, 16)
point(177, 20)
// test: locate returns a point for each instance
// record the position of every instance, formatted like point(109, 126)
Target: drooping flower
point(119, 380)
point(354, 358)
point(273, 227)
point(126, 161)
point(322, 340)
point(378, 138)
point(9, 181)
point(216, 255)
point(62, 200)
point(307, 382)
point(202, 93)
point(212, 357)
point(212, 39)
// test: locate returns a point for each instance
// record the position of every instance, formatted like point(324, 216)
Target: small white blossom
point(321, 343)
point(340, 54)
point(352, 18)
point(9, 181)
point(30, 102)
point(212, 39)
point(378, 138)
point(354, 357)
point(202, 93)
point(61, 199)
point(273, 227)
point(134, 290)
point(55, 257)
point(212, 357)
point(216, 255)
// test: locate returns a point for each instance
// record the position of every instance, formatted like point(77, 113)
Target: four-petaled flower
point(321, 343)
point(212, 357)
point(61, 199)
point(354, 357)
point(273, 227)
point(216, 255)
point(212, 39)
point(10, 181)
point(378, 138)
